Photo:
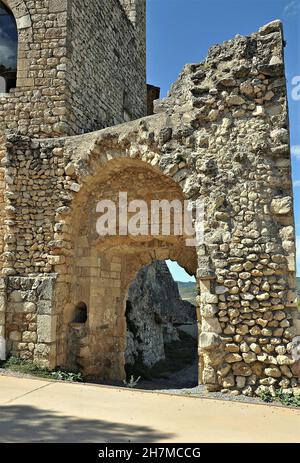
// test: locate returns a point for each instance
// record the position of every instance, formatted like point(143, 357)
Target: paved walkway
point(41, 411)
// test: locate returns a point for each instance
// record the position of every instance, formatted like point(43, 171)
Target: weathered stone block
point(15, 336)
point(208, 298)
point(2, 304)
point(209, 375)
point(209, 340)
point(24, 22)
point(241, 369)
point(29, 336)
point(274, 372)
point(282, 206)
point(17, 296)
point(45, 288)
point(211, 325)
point(45, 307)
point(46, 328)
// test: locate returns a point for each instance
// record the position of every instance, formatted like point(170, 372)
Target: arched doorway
point(103, 267)
point(9, 47)
point(162, 330)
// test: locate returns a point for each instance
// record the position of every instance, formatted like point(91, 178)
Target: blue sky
point(181, 31)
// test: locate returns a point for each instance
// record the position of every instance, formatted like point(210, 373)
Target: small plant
point(31, 368)
point(266, 396)
point(24, 366)
point(285, 398)
point(288, 398)
point(132, 382)
point(67, 376)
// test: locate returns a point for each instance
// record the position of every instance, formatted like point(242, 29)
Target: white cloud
point(7, 50)
point(7, 57)
point(295, 150)
point(8, 44)
point(292, 8)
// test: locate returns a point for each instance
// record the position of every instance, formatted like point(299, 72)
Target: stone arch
point(101, 269)
point(21, 13)
point(25, 32)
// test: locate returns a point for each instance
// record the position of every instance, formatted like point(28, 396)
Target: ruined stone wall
point(58, 93)
point(41, 236)
point(247, 265)
point(221, 135)
point(38, 105)
point(103, 268)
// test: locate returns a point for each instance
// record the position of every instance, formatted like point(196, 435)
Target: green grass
point(31, 368)
point(287, 399)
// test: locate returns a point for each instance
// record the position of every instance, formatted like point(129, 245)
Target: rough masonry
point(222, 135)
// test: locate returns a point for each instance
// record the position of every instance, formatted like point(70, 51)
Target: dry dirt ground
point(34, 410)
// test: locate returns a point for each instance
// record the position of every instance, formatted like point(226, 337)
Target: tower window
point(8, 49)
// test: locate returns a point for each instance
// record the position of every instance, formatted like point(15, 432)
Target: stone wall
point(108, 86)
point(30, 318)
point(38, 105)
point(221, 135)
point(59, 93)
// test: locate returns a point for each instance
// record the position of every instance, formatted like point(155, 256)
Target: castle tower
point(80, 66)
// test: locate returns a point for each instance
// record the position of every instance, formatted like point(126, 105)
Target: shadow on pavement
point(22, 423)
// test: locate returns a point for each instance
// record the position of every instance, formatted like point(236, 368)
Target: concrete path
point(41, 411)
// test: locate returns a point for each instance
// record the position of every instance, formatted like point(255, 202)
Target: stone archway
point(102, 268)
point(20, 11)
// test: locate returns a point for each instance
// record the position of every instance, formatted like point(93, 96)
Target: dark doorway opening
point(162, 335)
